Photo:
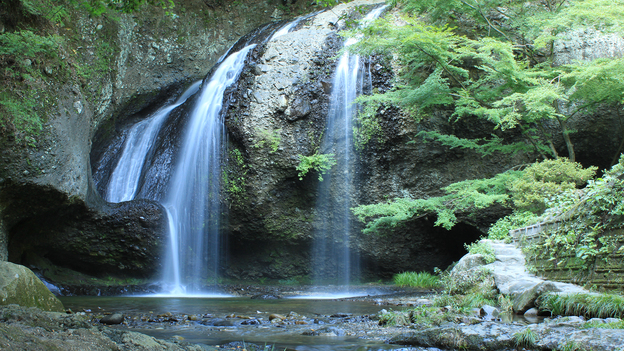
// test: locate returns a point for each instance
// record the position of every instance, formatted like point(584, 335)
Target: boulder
point(19, 285)
point(468, 262)
point(526, 299)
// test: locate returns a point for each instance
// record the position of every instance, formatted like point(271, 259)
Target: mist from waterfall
point(333, 259)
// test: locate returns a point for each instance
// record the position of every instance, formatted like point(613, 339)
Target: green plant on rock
point(490, 61)
point(509, 189)
point(268, 138)
point(571, 346)
point(585, 218)
point(482, 248)
point(587, 305)
point(417, 280)
point(320, 163)
point(518, 219)
point(526, 338)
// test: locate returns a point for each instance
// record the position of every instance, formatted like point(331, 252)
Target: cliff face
point(52, 213)
point(110, 69)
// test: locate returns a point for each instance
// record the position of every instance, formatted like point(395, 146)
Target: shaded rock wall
point(121, 66)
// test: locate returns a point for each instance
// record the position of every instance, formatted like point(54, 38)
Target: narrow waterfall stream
point(334, 261)
point(125, 179)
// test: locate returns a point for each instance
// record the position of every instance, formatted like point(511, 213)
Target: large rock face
point(19, 285)
point(50, 208)
point(48, 204)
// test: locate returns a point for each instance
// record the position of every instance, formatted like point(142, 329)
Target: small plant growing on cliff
point(317, 162)
point(271, 139)
point(417, 280)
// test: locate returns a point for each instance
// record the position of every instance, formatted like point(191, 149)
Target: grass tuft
point(526, 338)
point(587, 305)
point(417, 280)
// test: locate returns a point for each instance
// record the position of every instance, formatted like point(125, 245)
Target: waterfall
point(333, 259)
point(192, 200)
point(125, 178)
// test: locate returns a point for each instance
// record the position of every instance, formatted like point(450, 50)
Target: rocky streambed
point(152, 323)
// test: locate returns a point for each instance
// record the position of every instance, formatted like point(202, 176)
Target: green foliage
point(526, 338)
point(422, 316)
point(602, 325)
point(465, 196)
point(417, 280)
point(525, 190)
point(587, 305)
point(499, 71)
point(543, 180)
point(518, 219)
point(26, 44)
point(268, 138)
point(19, 108)
point(99, 7)
point(482, 248)
point(234, 176)
point(585, 218)
point(571, 346)
point(476, 281)
point(320, 163)
point(485, 147)
point(20, 114)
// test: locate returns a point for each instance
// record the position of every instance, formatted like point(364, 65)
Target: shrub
point(417, 280)
point(317, 162)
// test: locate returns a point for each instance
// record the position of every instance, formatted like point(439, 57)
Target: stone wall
point(605, 271)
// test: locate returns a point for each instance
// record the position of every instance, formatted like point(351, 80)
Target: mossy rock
point(19, 285)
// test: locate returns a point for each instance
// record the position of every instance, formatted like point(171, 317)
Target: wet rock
point(218, 322)
point(19, 285)
point(327, 331)
point(531, 312)
point(341, 315)
point(527, 298)
point(274, 316)
point(266, 297)
point(116, 318)
point(489, 312)
point(250, 322)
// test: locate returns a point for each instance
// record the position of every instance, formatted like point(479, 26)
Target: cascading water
point(125, 179)
point(192, 201)
point(334, 261)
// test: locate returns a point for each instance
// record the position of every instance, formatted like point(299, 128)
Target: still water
point(315, 313)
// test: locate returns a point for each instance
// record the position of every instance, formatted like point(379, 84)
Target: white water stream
point(125, 179)
point(192, 200)
point(332, 255)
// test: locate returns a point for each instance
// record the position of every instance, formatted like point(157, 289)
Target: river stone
point(526, 299)
point(19, 285)
point(116, 318)
point(489, 312)
point(531, 312)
